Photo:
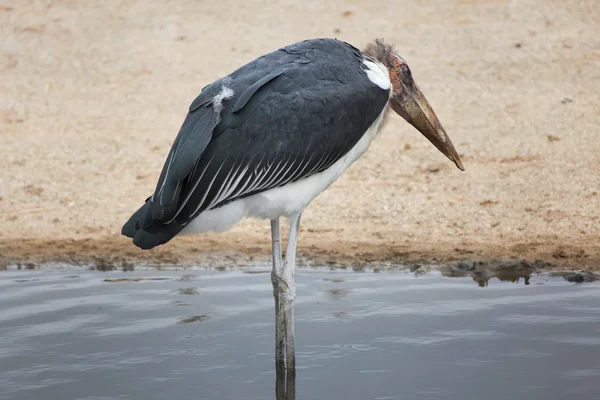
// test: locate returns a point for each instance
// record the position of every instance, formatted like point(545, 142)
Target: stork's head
point(409, 102)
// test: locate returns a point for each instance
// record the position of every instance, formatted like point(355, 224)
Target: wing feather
point(207, 191)
point(193, 138)
point(295, 113)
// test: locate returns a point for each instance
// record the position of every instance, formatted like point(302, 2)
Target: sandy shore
point(93, 96)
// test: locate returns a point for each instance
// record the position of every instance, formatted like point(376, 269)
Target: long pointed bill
point(411, 104)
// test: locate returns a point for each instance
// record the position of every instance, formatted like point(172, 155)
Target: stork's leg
point(288, 293)
point(275, 274)
point(285, 382)
point(290, 384)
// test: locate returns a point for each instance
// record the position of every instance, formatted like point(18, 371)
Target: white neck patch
point(378, 74)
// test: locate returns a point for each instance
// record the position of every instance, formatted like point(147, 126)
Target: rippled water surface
point(75, 334)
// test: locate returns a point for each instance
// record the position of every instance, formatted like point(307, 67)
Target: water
point(75, 334)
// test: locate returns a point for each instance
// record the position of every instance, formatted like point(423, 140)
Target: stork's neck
point(380, 51)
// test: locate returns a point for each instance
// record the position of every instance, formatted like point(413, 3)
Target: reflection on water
point(134, 279)
point(359, 335)
point(483, 278)
point(195, 318)
point(285, 382)
point(483, 272)
point(337, 294)
point(189, 291)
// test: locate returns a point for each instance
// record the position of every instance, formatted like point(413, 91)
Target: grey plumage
point(294, 113)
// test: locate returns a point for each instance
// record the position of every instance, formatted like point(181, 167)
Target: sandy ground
point(92, 95)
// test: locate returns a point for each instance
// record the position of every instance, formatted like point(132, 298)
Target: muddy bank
point(230, 250)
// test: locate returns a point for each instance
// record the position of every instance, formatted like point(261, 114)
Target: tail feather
point(146, 232)
point(133, 224)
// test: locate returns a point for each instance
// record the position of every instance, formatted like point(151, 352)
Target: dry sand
point(93, 94)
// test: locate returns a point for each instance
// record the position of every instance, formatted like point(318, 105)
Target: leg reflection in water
point(285, 384)
point(284, 293)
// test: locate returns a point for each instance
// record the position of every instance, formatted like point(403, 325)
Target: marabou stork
point(267, 139)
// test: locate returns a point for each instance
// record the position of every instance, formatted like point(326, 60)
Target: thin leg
point(288, 295)
point(290, 384)
point(275, 274)
point(276, 240)
point(280, 385)
point(285, 383)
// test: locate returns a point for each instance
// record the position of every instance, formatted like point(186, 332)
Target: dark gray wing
point(295, 112)
point(193, 138)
